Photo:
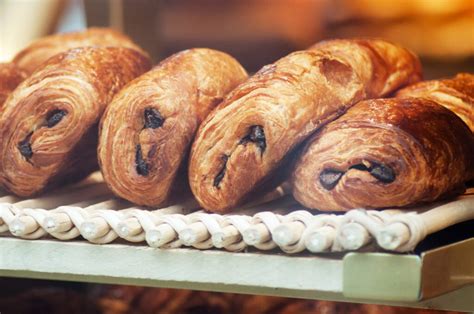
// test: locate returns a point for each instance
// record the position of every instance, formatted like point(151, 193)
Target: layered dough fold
point(31, 57)
point(147, 130)
point(385, 153)
point(48, 125)
point(456, 94)
point(247, 139)
point(10, 76)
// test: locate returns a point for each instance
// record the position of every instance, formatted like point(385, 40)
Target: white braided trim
point(177, 226)
point(358, 225)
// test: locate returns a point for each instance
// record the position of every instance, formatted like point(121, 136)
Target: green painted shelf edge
point(381, 276)
point(358, 277)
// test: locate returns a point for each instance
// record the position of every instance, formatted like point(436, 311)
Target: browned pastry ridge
point(456, 94)
point(147, 130)
point(385, 153)
point(242, 143)
point(48, 125)
point(30, 58)
point(10, 76)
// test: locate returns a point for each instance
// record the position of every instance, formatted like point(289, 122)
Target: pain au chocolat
point(10, 76)
point(48, 125)
point(246, 140)
point(148, 128)
point(456, 94)
point(385, 153)
point(30, 58)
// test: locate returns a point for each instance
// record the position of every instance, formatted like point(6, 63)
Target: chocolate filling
point(256, 135)
point(383, 173)
point(141, 165)
point(153, 119)
point(25, 147)
point(54, 117)
point(330, 177)
point(221, 174)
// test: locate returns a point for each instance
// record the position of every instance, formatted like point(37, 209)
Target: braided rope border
point(100, 218)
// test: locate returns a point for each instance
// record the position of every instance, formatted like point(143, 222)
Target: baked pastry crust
point(30, 58)
point(456, 94)
point(10, 76)
point(385, 153)
point(242, 143)
point(48, 127)
point(148, 128)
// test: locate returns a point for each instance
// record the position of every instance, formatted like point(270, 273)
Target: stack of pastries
point(347, 122)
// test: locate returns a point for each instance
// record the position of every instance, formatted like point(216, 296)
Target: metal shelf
point(424, 280)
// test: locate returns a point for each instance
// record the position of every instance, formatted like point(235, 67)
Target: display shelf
point(442, 278)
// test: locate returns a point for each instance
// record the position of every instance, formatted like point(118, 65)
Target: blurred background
point(256, 32)
point(25, 296)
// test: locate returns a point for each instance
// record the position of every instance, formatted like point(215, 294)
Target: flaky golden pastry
point(385, 153)
point(10, 76)
point(147, 130)
point(48, 127)
point(456, 94)
point(242, 143)
point(30, 58)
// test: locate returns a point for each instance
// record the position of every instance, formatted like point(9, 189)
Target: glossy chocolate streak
point(153, 119)
point(25, 147)
point(221, 174)
point(141, 165)
point(383, 173)
point(330, 177)
point(54, 117)
point(256, 135)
